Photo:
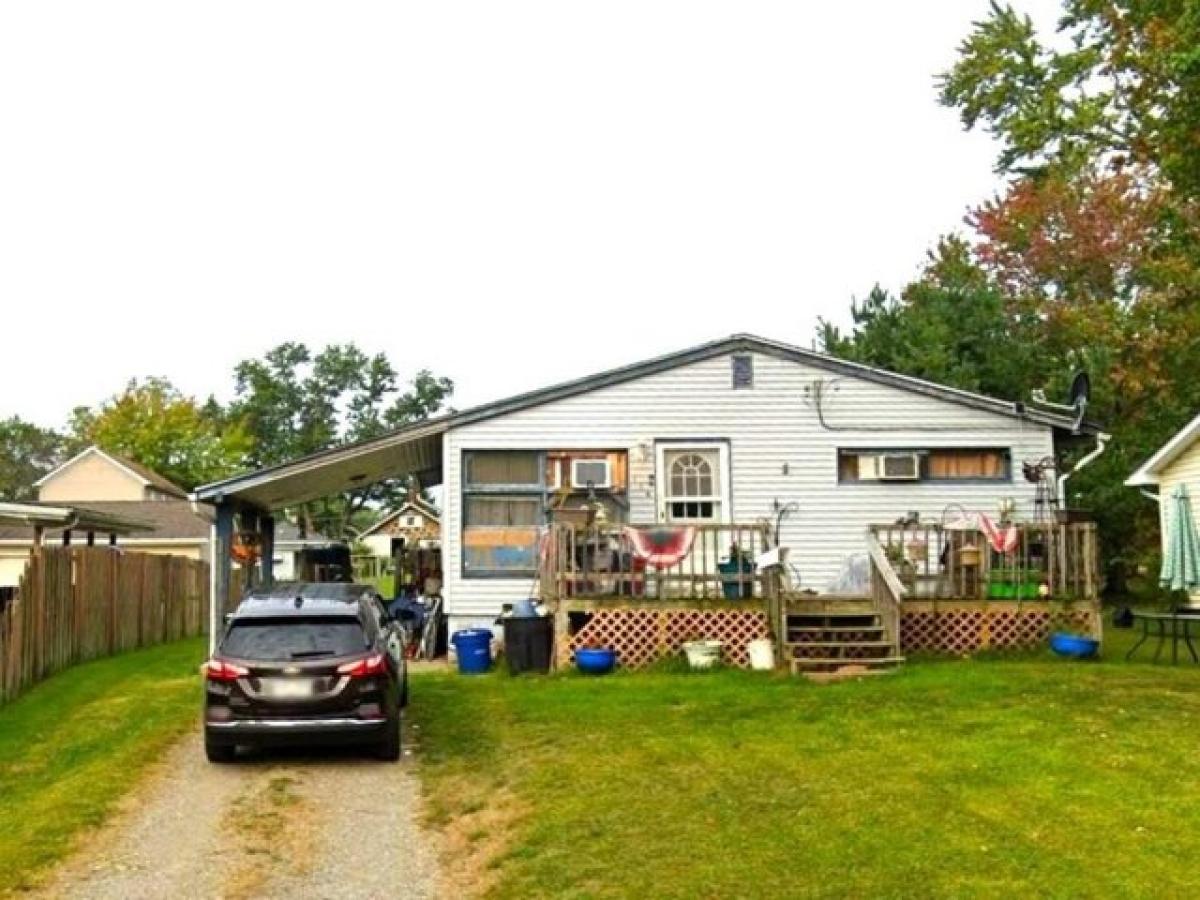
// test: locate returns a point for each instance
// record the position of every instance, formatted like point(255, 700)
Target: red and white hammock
point(661, 545)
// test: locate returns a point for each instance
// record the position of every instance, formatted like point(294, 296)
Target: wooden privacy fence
point(80, 603)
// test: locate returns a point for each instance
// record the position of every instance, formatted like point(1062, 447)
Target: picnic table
point(1172, 626)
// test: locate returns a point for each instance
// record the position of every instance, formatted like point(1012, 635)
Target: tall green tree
point(295, 402)
point(153, 423)
point(1119, 88)
point(951, 325)
point(1088, 258)
point(27, 452)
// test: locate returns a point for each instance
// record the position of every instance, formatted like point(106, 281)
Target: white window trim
point(606, 485)
point(723, 499)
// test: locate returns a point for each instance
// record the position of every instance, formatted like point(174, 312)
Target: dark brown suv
point(307, 664)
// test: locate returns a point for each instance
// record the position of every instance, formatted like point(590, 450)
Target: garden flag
point(1181, 553)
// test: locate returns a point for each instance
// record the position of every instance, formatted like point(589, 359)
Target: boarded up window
point(503, 506)
point(486, 468)
point(502, 512)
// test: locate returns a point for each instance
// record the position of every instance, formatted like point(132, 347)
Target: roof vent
point(743, 370)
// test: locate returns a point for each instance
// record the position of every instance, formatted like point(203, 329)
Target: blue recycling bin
point(473, 646)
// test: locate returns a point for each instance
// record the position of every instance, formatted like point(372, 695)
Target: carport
point(245, 505)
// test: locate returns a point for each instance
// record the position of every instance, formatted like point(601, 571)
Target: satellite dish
point(1081, 389)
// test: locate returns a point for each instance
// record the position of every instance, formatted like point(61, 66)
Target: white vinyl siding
point(772, 428)
point(1185, 469)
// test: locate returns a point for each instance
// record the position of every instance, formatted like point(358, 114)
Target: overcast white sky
point(508, 193)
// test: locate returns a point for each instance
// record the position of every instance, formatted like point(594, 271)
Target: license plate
point(288, 688)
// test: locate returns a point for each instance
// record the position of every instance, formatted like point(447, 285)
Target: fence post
point(112, 601)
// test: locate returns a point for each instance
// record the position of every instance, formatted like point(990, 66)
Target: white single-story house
point(103, 483)
point(1175, 463)
point(735, 430)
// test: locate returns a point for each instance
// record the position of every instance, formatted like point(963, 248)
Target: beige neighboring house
point(104, 482)
point(416, 523)
point(1175, 463)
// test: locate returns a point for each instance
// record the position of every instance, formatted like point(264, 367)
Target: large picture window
point(503, 508)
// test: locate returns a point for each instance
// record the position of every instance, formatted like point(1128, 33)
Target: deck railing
point(887, 590)
point(1050, 560)
point(599, 561)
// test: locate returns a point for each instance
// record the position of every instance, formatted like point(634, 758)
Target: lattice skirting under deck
point(642, 636)
point(971, 629)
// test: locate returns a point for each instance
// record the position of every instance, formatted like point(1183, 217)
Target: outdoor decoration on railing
point(661, 545)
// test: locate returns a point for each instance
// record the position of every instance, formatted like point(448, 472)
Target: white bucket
point(702, 654)
point(762, 654)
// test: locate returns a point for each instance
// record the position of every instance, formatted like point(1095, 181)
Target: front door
point(693, 482)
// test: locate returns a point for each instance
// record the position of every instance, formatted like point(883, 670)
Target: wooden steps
point(829, 634)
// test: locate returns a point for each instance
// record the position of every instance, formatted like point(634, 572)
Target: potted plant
point(702, 654)
point(737, 581)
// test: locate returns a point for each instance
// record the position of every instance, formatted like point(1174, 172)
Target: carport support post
point(250, 527)
point(220, 571)
point(267, 528)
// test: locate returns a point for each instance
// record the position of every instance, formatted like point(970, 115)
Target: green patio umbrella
point(1181, 554)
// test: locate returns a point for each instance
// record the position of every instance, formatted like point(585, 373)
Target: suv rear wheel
point(389, 748)
point(218, 753)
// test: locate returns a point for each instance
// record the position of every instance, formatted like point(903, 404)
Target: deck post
point(220, 570)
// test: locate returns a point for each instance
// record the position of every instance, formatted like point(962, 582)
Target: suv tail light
point(219, 670)
point(365, 667)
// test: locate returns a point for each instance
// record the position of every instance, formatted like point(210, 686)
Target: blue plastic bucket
point(596, 660)
point(473, 646)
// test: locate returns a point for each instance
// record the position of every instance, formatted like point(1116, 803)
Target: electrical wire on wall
point(815, 397)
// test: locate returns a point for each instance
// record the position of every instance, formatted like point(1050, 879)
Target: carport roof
point(417, 449)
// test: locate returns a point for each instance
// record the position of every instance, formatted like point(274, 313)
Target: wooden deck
point(932, 589)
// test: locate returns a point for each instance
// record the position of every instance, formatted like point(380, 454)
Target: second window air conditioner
point(889, 467)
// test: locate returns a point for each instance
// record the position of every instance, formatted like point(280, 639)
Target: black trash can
point(528, 643)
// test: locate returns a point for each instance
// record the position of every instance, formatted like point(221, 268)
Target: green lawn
point(984, 778)
point(71, 746)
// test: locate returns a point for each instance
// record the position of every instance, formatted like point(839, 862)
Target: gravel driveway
point(336, 826)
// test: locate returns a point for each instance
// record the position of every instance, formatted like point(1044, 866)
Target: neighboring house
point(408, 543)
point(1175, 463)
point(104, 482)
point(733, 431)
point(414, 524)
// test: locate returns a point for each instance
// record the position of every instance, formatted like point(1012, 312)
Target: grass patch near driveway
point(74, 744)
point(998, 777)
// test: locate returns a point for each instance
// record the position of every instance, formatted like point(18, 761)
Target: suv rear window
point(274, 640)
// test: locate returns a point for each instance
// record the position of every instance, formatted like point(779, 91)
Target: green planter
point(1014, 584)
point(737, 579)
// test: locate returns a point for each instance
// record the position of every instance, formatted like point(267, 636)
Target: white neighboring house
point(1175, 463)
point(729, 431)
point(416, 523)
point(105, 483)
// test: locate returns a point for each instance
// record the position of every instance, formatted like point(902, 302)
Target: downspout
point(1102, 440)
